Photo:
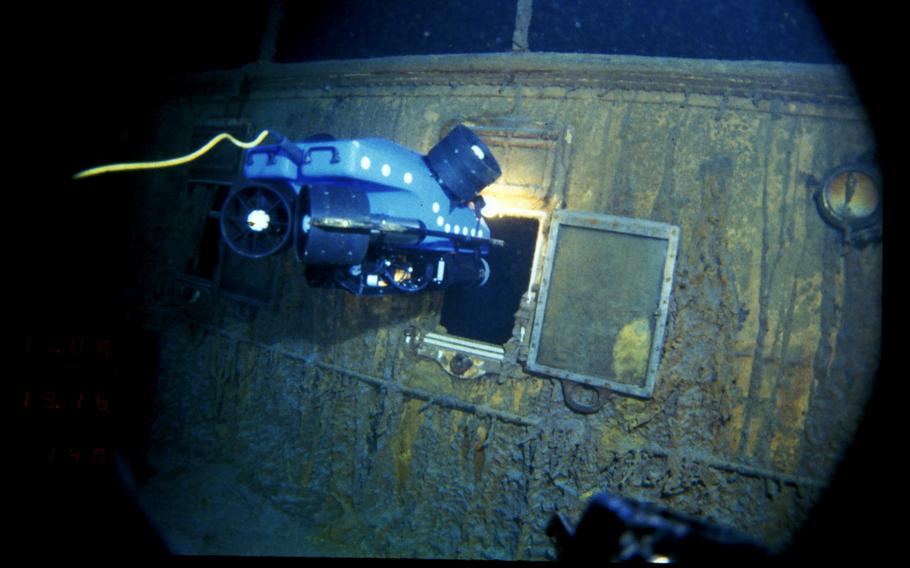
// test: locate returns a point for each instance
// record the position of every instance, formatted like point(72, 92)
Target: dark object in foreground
point(621, 529)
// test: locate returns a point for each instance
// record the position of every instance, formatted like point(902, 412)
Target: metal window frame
point(215, 283)
point(623, 225)
point(542, 218)
point(524, 201)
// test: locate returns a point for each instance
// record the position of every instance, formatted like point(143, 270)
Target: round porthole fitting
point(850, 199)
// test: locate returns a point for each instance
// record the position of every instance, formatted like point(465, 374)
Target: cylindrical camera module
point(464, 270)
point(463, 164)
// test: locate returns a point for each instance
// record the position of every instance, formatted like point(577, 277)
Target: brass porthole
point(850, 199)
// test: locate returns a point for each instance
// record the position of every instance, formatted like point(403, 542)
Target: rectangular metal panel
point(603, 301)
point(526, 152)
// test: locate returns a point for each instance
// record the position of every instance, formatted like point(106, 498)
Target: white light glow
point(408, 177)
point(386, 170)
point(365, 162)
point(440, 220)
point(258, 220)
point(491, 208)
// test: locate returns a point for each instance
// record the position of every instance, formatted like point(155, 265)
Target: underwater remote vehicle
point(368, 216)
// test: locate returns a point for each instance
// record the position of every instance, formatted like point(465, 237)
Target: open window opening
point(215, 267)
point(205, 261)
point(488, 313)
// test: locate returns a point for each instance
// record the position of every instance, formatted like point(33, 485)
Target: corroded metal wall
point(326, 415)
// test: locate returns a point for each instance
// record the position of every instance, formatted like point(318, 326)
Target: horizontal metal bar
point(612, 223)
point(462, 349)
point(823, 84)
point(487, 354)
point(462, 346)
point(466, 342)
point(433, 398)
point(734, 467)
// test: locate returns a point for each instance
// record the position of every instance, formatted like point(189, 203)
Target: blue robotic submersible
point(367, 215)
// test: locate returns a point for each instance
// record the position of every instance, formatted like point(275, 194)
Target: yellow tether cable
point(172, 162)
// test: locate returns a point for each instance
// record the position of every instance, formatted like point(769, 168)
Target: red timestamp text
point(52, 401)
point(67, 346)
point(76, 456)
